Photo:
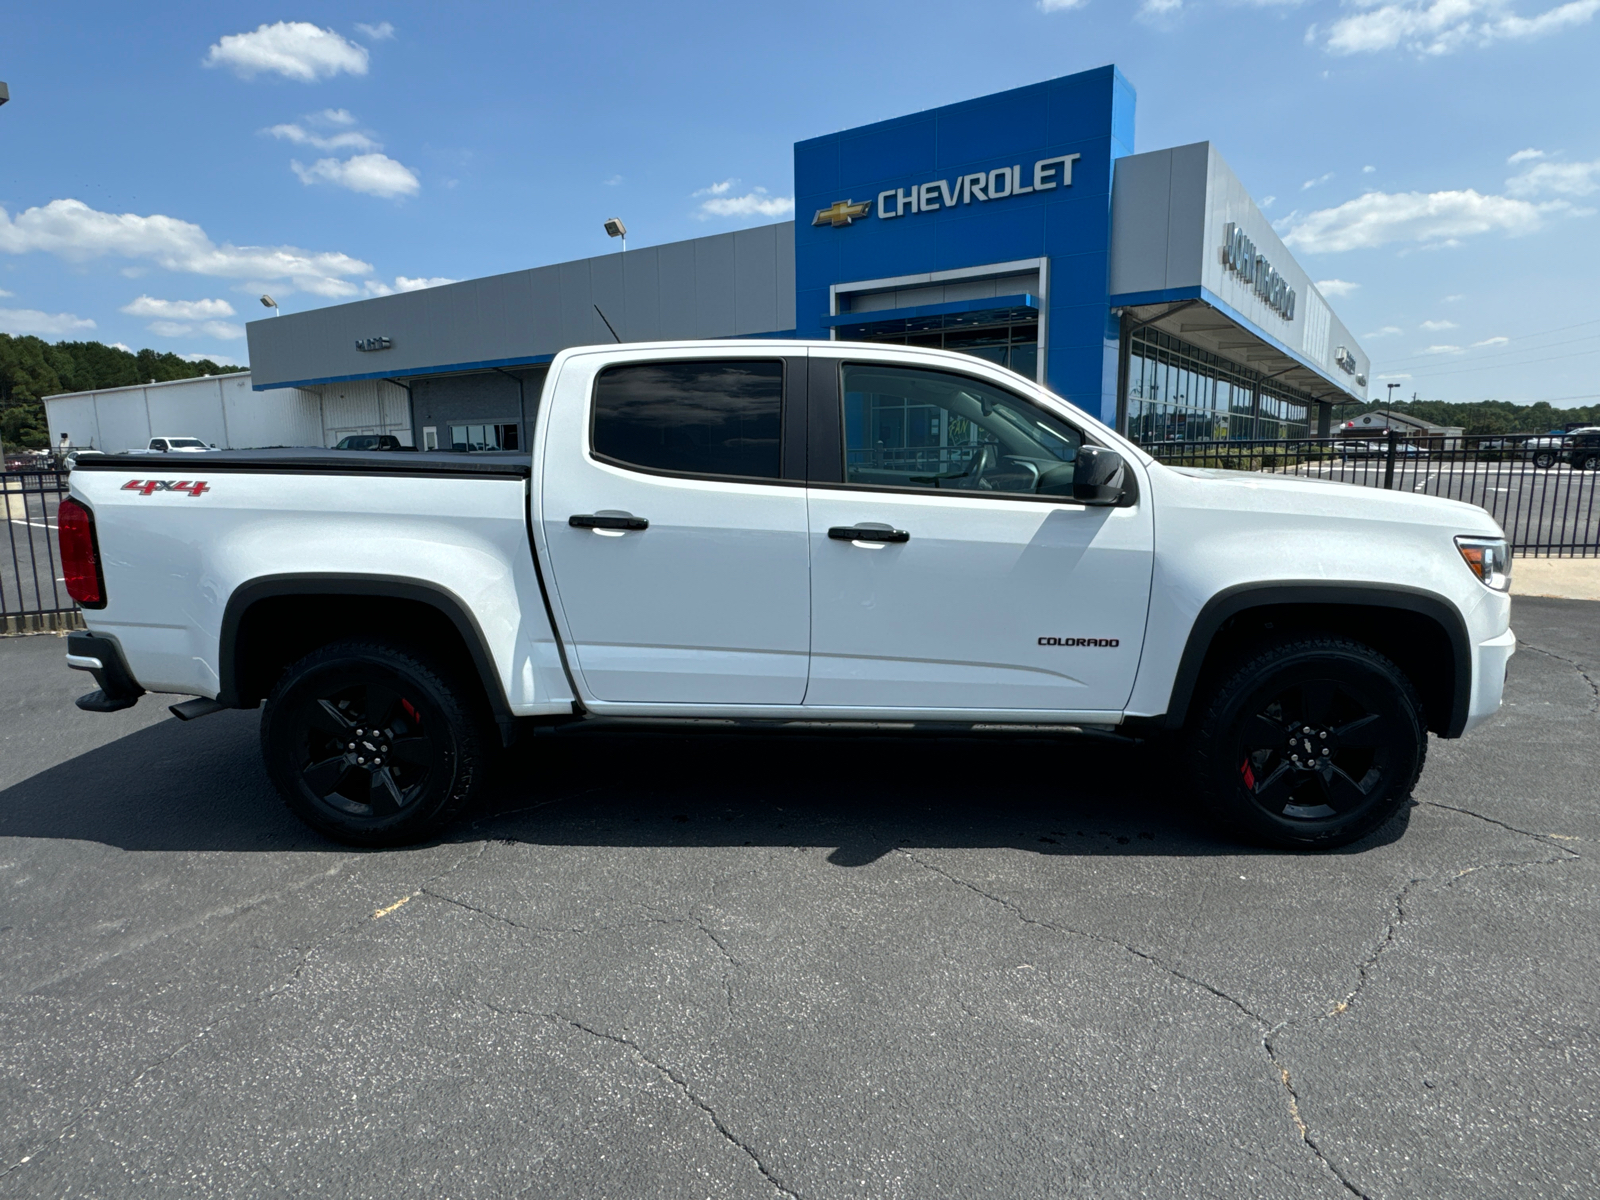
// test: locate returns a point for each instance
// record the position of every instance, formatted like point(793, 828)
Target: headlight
point(1490, 560)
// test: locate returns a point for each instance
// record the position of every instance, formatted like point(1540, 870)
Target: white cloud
point(1442, 350)
point(122, 346)
point(1060, 5)
point(405, 283)
point(1494, 341)
point(1438, 326)
point(177, 310)
point(716, 189)
point(335, 116)
point(1311, 183)
point(294, 49)
point(1158, 11)
point(1336, 287)
point(349, 139)
point(381, 32)
point(374, 174)
point(754, 203)
point(614, 180)
point(1386, 331)
point(1560, 179)
point(1402, 375)
point(1527, 155)
point(1268, 201)
point(1436, 218)
point(1368, 170)
point(41, 324)
point(1435, 27)
point(222, 360)
point(225, 330)
point(71, 230)
point(1454, 298)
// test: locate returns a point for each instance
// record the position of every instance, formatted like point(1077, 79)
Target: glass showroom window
point(483, 436)
point(1180, 393)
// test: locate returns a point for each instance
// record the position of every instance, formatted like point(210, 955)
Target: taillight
point(80, 557)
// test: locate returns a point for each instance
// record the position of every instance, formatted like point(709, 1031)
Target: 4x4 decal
point(146, 487)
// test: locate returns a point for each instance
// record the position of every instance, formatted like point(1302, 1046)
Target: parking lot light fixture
point(269, 302)
point(615, 228)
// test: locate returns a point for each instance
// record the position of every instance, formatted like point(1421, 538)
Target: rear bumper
point(102, 658)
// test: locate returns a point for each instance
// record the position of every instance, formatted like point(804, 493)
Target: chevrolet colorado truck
point(776, 532)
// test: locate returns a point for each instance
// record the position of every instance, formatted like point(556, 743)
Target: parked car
point(174, 445)
point(1377, 449)
point(371, 441)
point(1553, 447)
point(718, 532)
point(1582, 451)
point(72, 457)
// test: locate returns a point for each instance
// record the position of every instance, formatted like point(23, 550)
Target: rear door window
point(720, 418)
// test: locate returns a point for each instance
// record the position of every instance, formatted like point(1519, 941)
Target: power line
point(1526, 362)
point(1425, 356)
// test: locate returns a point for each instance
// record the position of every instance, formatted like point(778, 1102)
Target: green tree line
point(31, 369)
point(1489, 417)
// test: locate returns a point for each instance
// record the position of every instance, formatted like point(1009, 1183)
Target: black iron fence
point(1542, 491)
point(33, 595)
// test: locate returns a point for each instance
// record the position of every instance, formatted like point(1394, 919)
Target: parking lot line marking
point(384, 912)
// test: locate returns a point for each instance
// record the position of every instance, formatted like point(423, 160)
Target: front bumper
point(1489, 677)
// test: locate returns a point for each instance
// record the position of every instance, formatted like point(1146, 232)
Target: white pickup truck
point(778, 532)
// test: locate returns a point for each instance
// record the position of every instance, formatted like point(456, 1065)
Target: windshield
point(186, 443)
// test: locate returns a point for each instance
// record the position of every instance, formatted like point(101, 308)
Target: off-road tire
point(420, 734)
point(1351, 720)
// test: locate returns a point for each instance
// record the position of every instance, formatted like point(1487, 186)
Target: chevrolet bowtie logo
point(843, 212)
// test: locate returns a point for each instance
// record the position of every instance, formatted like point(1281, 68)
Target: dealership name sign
point(978, 188)
point(1239, 255)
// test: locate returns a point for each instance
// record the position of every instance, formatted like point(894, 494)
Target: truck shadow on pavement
point(201, 787)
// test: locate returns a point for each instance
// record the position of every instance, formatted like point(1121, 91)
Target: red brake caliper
point(1249, 775)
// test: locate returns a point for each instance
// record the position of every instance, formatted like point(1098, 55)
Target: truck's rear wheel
point(372, 746)
point(1309, 744)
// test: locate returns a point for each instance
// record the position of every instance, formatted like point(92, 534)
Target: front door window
point(932, 430)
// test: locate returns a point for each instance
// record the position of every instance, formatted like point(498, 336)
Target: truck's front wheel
point(372, 746)
point(1309, 744)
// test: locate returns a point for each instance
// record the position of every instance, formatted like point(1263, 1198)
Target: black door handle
point(857, 533)
point(606, 521)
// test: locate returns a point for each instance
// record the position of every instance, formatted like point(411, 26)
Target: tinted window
point(910, 428)
point(698, 418)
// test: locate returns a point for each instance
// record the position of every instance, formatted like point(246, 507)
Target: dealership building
point(1146, 288)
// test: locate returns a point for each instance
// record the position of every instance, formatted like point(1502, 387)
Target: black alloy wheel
point(372, 746)
point(1311, 744)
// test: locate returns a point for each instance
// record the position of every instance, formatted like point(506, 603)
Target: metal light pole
point(1389, 405)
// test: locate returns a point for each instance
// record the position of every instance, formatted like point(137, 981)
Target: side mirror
point(1098, 476)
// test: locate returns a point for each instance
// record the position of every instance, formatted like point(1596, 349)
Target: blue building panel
point(953, 189)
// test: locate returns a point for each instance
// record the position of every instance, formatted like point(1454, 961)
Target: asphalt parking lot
point(797, 966)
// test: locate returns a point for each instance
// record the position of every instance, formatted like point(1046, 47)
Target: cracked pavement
point(794, 966)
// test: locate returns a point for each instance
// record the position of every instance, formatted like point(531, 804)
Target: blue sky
point(162, 165)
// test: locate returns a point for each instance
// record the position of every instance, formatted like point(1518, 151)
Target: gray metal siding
point(726, 285)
